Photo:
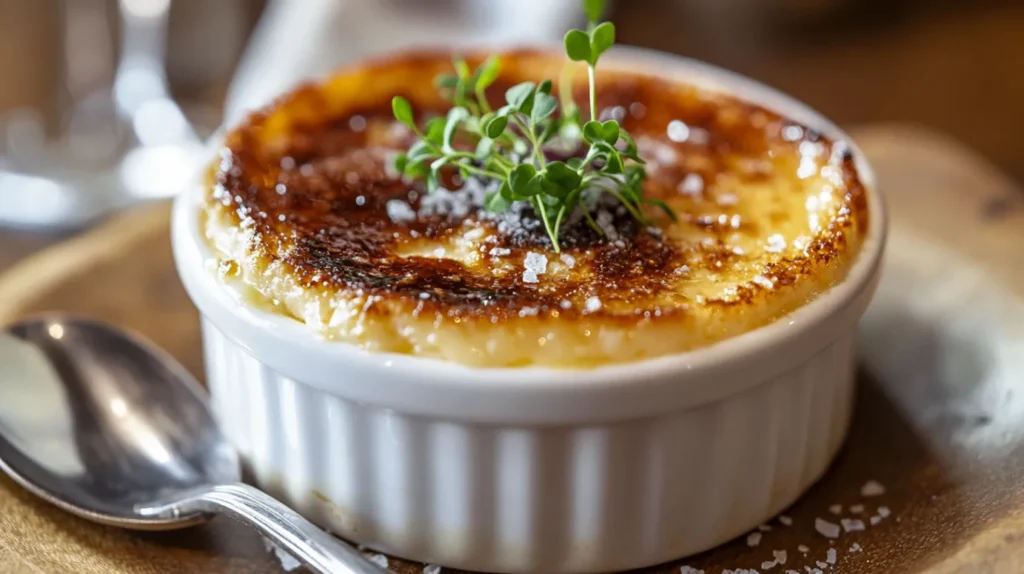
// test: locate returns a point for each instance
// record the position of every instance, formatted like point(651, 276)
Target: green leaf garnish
point(511, 145)
point(403, 111)
point(577, 46)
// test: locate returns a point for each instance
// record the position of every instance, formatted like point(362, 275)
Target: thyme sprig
point(512, 144)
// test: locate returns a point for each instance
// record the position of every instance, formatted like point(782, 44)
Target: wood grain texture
point(926, 423)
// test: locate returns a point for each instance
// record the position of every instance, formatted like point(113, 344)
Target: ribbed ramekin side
point(581, 498)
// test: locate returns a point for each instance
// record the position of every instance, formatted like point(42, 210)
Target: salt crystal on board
point(826, 528)
point(780, 556)
point(830, 556)
point(764, 528)
point(378, 559)
point(855, 548)
point(852, 524)
point(593, 304)
point(431, 569)
point(872, 488)
point(884, 512)
point(785, 520)
point(690, 570)
point(803, 548)
point(753, 539)
point(857, 508)
point(836, 509)
point(874, 520)
point(767, 565)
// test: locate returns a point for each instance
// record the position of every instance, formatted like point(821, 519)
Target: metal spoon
point(102, 425)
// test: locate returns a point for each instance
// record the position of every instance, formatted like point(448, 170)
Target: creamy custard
point(305, 212)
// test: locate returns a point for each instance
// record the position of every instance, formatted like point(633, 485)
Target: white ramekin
point(540, 470)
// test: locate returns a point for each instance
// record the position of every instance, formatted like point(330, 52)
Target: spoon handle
point(310, 545)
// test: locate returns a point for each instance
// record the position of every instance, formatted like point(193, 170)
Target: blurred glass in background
point(105, 102)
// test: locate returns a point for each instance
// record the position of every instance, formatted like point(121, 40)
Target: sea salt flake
point(378, 559)
point(764, 528)
point(754, 539)
point(690, 570)
point(872, 488)
point(399, 211)
point(857, 508)
point(836, 509)
point(536, 262)
point(776, 243)
point(692, 184)
point(569, 260)
point(826, 528)
point(830, 556)
point(884, 511)
point(766, 565)
point(500, 251)
point(565, 304)
point(785, 520)
point(780, 556)
point(592, 304)
point(855, 548)
point(803, 549)
point(874, 520)
point(821, 564)
point(852, 524)
point(529, 276)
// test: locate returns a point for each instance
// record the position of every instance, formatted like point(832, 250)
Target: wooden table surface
point(937, 418)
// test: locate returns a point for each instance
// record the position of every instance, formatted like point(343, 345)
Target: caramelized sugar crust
point(305, 208)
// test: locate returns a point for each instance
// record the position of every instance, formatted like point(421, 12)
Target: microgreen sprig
point(508, 144)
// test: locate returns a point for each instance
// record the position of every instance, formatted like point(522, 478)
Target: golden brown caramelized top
point(762, 202)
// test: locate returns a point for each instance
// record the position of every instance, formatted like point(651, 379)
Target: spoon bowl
point(103, 425)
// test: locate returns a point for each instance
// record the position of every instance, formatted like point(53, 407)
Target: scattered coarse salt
point(855, 548)
point(569, 260)
point(852, 524)
point(821, 564)
point(281, 217)
point(439, 252)
point(884, 511)
point(536, 262)
point(727, 199)
point(764, 528)
point(776, 243)
point(529, 276)
point(763, 281)
point(678, 131)
point(690, 570)
point(830, 556)
point(785, 520)
point(874, 520)
point(606, 221)
point(767, 565)
point(592, 304)
point(857, 508)
point(399, 211)
point(780, 556)
point(826, 528)
point(803, 549)
point(872, 488)
point(692, 184)
point(754, 539)
point(500, 251)
point(378, 559)
point(565, 304)
point(836, 509)
point(528, 312)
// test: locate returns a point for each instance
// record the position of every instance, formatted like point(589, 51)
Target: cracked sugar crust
point(304, 209)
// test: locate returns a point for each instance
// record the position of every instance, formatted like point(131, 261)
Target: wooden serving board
point(939, 419)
